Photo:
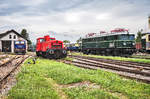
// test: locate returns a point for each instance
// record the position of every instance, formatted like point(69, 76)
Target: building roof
point(7, 32)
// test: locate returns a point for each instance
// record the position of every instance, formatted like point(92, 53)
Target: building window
point(9, 36)
point(14, 36)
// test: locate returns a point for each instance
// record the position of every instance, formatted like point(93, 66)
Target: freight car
point(74, 47)
point(20, 47)
point(50, 48)
point(117, 43)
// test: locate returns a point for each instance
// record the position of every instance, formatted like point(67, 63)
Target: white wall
point(12, 39)
point(0, 45)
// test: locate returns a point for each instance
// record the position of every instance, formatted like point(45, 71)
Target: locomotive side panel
point(109, 45)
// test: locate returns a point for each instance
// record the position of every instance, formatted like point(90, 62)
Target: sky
point(71, 19)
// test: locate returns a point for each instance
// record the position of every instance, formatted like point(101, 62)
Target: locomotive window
point(89, 40)
point(115, 37)
point(149, 37)
point(93, 39)
point(101, 38)
point(86, 40)
point(97, 39)
point(22, 42)
point(126, 37)
point(110, 38)
point(41, 40)
point(131, 37)
point(16, 42)
point(105, 38)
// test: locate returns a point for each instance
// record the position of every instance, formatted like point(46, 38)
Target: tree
point(26, 36)
point(139, 37)
point(79, 40)
point(66, 41)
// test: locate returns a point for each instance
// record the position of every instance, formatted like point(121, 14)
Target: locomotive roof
point(108, 34)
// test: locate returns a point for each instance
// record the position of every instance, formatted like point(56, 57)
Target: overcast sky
point(70, 19)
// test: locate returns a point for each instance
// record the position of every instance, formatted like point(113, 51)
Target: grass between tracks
point(141, 56)
point(116, 58)
point(43, 80)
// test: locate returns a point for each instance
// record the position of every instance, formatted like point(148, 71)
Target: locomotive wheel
point(48, 56)
point(115, 53)
point(44, 54)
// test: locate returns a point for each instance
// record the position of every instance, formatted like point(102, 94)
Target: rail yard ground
point(50, 79)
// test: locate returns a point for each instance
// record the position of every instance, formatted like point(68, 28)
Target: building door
point(6, 46)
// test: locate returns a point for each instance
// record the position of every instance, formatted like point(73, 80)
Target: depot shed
point(7, 40)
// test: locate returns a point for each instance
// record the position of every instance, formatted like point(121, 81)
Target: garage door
point(6, 46)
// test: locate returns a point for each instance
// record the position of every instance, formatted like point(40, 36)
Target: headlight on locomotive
point(51, 51)
point(64, 52)
point(133, 43)
point(124, 43)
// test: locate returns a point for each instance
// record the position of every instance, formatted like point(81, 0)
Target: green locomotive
point(118, 42)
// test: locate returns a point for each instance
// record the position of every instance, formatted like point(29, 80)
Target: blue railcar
point(73, 48)
point(20, 47)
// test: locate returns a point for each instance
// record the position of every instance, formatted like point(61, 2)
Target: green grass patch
point(141, 56)
point(116, 58)
point(84, 93)
point(33, 83)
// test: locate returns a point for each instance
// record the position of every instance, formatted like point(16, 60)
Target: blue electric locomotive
point(20, 47)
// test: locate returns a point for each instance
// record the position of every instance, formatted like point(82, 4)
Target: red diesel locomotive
point(50, 48)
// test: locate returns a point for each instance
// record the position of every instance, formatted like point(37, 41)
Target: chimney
point(149, 22)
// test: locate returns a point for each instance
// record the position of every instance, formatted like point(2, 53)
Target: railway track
point(140, 57)
point(5, 60)
point(9, 67)
point(139, 71)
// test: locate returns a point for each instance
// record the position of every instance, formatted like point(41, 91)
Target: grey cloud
point(52, 15)
point(49, 6)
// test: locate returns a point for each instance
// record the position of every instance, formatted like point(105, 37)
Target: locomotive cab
point(38, 46)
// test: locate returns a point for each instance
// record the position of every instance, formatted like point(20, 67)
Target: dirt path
point(57, 88)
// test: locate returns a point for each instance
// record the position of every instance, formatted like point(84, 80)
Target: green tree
point(139, 37)
point(66, 41)
point(26, 36)
point(79, 40)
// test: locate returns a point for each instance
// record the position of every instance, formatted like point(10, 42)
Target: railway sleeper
point(114, 67)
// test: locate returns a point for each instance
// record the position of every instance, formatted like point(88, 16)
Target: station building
point(7, 40)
